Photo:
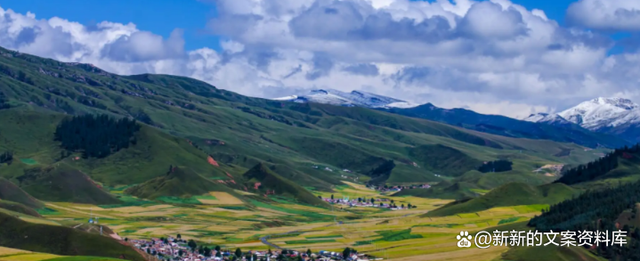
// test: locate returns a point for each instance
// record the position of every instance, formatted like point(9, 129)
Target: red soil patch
point(212, 161)
point(229, 175)
point(232, 181)
point(626, 155)
point(256, 185)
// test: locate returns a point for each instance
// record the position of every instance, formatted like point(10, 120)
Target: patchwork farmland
point(225, 221)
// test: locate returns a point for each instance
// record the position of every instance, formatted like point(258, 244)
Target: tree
point(192, 244)
point(165, 241)
point(373, 201)
point(331, 196)
point(402, 205)
point(149, 251)
point(308, 252)
point(346, 253)
point(179, 236)
point(320, 197)
point(207, 252)
point(126, 239)
point(217, 248)
point(409, 205)
point(238, 252)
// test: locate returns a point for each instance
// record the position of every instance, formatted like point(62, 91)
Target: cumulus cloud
point(614, 15)
point(491, 56)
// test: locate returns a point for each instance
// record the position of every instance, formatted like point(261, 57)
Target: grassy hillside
point(512, 194)
point(17, 207)
point(16, 233)
point(269, 180)
point(63, 183)
point(185, 121)
point(177, 182)
point(11, 192)
point(443, 160)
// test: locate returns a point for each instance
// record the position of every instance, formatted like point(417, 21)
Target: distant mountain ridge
point(561, 130)
point(616, 116)
point(536, 126)
point(350, 99)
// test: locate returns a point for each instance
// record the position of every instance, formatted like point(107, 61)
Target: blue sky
point(162, 16)
point(492, 56)
point(158, 16)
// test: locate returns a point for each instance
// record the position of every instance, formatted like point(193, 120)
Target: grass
point(11, 192)
point(63, 183)
point(16, 233)
point(512, 194)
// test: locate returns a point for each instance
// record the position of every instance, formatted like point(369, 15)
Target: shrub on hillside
point(496, 166)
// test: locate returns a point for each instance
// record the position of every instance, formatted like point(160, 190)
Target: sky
point(504, 57)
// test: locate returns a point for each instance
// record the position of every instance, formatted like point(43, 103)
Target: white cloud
point(617, 15)
point(493, 57)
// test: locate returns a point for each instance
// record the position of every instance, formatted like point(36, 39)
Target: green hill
point(512, 194)
point(269, 180)
point(16, 233)
point(443, 160)
point(11, 192)
point(177, 182)
point(183, 121)
point(62, 183)
point(19, 208)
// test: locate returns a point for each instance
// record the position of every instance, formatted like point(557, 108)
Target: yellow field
point(228, 222)
point(222, 198)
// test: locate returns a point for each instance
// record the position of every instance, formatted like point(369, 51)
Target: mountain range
point(538, 126)
point(615, 116)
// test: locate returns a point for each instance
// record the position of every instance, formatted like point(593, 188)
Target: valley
point(154, 156)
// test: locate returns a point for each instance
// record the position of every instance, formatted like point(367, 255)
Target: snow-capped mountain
point(354, 98)
point(546, 118)
point(603, 113)
point(617, 116)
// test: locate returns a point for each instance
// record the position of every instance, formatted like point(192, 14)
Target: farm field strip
point(424, 238)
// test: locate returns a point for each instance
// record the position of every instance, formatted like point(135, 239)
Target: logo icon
point(464, 239)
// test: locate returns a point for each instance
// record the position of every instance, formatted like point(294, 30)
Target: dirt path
point(80, 212)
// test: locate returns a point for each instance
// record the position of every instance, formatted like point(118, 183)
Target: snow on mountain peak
point(602, 112)
point(353, 98)
point(617, 102)
point(545, 117)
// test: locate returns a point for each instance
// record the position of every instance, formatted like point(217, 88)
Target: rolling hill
point(268, 180)
point(512, 194)
point(16, 233)
point(177, 182)
point(184, 122)
point(11, 192)
point(62, 183)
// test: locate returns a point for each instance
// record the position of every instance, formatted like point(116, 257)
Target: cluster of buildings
point(178, 249)
point(386, 188)
point(364, 202)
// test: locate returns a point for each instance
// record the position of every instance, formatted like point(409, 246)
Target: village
point(364, 202)
point(176, 248)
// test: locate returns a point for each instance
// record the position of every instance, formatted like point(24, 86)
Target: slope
point(266, 179)
point(19, 208)
point(11, 192)
point(177, 182)
point(512, 194)
point(152, 154)
point(442, 159)
point(254, 129)
point(16, 233)
point(62, 183)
